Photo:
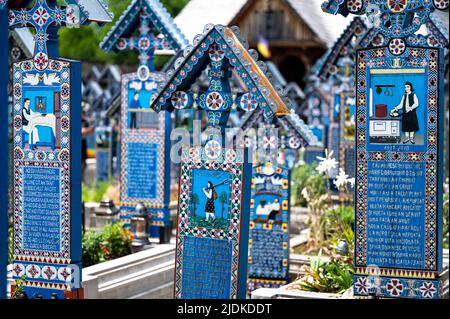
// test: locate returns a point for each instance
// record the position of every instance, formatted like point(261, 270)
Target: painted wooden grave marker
point(212, 238)
point(47, 163)
point(398, 202)
point(269, 227)
point(145, 135)
point(270, 194)
point(4, 146)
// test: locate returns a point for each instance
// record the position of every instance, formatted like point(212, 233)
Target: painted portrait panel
point(41, 112)
point(210, 198)
point(397, 108)
point(140, 115)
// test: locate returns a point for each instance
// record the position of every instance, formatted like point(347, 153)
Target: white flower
point(326, 163)
point(341, 180)
point(305, 194)
point(351, 181)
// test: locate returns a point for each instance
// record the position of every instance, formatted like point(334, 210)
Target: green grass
point(218, 223)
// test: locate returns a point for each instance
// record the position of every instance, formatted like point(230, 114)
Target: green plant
point(338, 223)
point(95, 192)
point(113, 241)
point(446, 217)
point(317, 200)
point(300, 176)
point(91, 248)
point(18, 288)
point(334, 276)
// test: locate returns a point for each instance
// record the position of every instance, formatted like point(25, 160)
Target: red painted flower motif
point(179, 100)
point(397, 46)
point(395, 287)
point(427, 290)
point(216, 53)
point(397, 6)
point(41, 16)
point(41, 61)
point(248, 103)
point(214, 101)
point(362, 285)
point(354, 6)
point(213, 149)
point(441, 4)
point(144, 43)
point(49, 272)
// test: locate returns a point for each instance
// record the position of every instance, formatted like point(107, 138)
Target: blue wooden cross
point(144, 43)
point(147, 16)
point(46, 19)
point(4, 148)
point(396, 20)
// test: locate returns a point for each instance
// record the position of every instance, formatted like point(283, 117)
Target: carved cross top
point(145, 43)
point(41, 17)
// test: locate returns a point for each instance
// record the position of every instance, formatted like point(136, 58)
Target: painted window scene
point(210, 199)
point(41, 118)
point(140, 115)
point(397, 109)
point(268, 202)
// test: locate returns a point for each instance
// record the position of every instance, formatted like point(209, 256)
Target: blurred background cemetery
point(297, 40)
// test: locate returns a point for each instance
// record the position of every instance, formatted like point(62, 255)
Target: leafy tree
point(223, 198)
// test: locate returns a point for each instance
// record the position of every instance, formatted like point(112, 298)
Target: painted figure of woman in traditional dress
point(211, 196)
point(409, 104)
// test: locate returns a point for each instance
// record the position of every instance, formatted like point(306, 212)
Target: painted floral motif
point(216, 53)
point(214, 101)
point(427, 290)
point(40, 156)
point(18, 123)
point(41, 61)
point(64, 155)
point(394, 287)
point(144, 43)
point(397, 6)
point(180, 100)
point(49, 272)
point(33, 271)
point(397, 46)
point(269, 142)
point(65, 123)
point(213, 149)
point(248, 103)
point(230, 156)
point(294, 142)
point(354, 6)
point(41, 16)
point(18, 270)
point(64, 274)
point(65, 91)
point(194, 153)
point(362, 285)
point(441, 4)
